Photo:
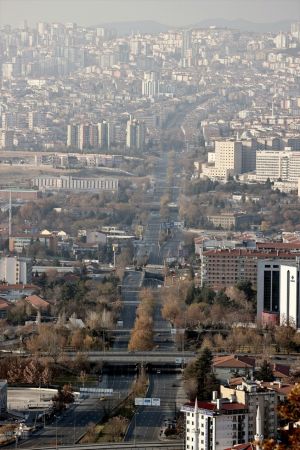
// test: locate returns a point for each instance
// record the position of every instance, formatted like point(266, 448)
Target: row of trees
point(232, 310)
point(44, 370)
point(142, 334)
point(184, 305)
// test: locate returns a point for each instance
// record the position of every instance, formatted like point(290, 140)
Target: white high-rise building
point(215, 425)
point(15, 270)
point(274, 165)
point(104, 135)
point(83, 136)
point(135, 134)
point(229, 156)
point(290, 294)
point(281, 40)
point(150, 84)
point(72, 138)
point(7, 139)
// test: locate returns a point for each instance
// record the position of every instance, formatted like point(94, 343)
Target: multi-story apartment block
point(7, 139)
point(226, 267)
point(15, 270)
point(215, 425)
point(228, 156)
point(105, 135)
point(256, 398)
point(135, 134)
point(72, 138)
point(228, 160)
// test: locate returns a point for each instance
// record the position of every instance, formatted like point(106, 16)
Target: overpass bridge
point(176, 445)
point(132, 358)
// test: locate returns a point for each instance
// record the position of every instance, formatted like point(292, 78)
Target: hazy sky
point(169, 12)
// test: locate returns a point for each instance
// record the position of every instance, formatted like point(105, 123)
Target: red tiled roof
point(279, 245)
point(282, 388)
point(37, 302)
point(281, 370)
point(4, 304)
point(233, 361)
point(251, 253)
point(226, 406)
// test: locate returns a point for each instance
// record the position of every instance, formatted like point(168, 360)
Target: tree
point(289, 412)
point(265, 372)
point(63, 397)
point(201, 372)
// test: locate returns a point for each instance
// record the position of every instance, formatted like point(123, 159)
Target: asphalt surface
point(148, 420)
point(72, 424)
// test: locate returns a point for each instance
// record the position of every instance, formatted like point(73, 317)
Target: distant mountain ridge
point(153, 27)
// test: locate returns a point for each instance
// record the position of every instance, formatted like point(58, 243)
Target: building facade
point(226, 267)
point(278, 292)
point(70, 183)
point(135, 134)
point(15, 270)
point(275, 165)
point(255, 396)
point(3, 397)
point(215, 425)
point(289, 302)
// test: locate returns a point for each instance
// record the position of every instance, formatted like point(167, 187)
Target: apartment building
point(226, 267)
point(257, 399)
point(229, 156)
point(232, 158)
point(15, 270)
point(215, 425)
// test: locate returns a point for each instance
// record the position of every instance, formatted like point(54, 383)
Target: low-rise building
point(225, 367)
point(70, 183)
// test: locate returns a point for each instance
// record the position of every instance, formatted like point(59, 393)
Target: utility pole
point(9, 216)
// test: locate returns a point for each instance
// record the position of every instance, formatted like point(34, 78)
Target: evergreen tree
point(201, 371)
point(265, 372)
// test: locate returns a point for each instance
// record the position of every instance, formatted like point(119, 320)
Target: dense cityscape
point(149, 237)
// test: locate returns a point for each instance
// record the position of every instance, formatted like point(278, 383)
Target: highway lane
point(72, 424)
point(148, 420)
point(131, 285)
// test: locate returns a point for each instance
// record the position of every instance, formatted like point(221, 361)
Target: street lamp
point(74, 431)
point(135, 415)
point(56, 440)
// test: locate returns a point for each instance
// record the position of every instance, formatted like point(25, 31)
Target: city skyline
point(185, 13)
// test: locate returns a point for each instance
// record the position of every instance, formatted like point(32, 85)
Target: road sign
point(96, 391)
point(178, 360)
point(139, 401)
